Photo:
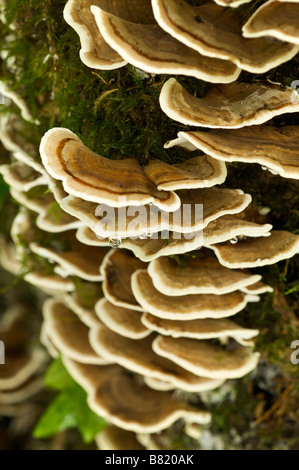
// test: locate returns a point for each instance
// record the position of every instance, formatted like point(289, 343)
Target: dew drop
point(234, 240)
point(114, 242)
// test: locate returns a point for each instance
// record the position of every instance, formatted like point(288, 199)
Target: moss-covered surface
point(117, 114)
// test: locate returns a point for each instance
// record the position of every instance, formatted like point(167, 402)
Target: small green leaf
point(69, 409)
point(57, 377)
point(59, 416)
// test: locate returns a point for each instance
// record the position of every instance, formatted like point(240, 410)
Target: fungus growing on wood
point(115, 438)
point(229, 106)
point(254, 252)
point(121, 320)
point(273, 147)
point(125, 403)
point(204, 358)
point(208, 328)
point(214, 31)
point(138, 356)
point(95, 52)
point(150, 48)
point(20, 367)
point(186, 307)
point(117, 269)
point(78, 260)
point(198, 276)
point(196, 172)
point(94, 178)
point(276, 18)
point(68, 334)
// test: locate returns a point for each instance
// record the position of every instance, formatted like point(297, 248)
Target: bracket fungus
point(95, 52)
point(186, 307)
point(228, 106)
point(215, 31)
point(205, 359)
point(117, 269)
point(130, 405)
point(150, 48)
point(21, 372)
point(199, 276)
point(274, 147)
point(254, 252)
point(121, 320)
point(138, 356)
point(276, 18)
point(69, 334)
point(94, 178)
point(208, 328)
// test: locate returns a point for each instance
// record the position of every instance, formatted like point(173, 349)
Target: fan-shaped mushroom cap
point(51, 217)
point(138, 356)
point(204, 358)
point(155, 246)
point(196, 172)
point(12, 138)
point(18, 368)
point(16, 99)
point(197, 276)
point(80, 260)
point(86, 236)
point(117, 269)
point(215, 31)
point(150, 48)
point(46, 341)
point(118, 398)
point(157, 384)
point(277, 18)
point(199, 207)
point(232, 3)
point(22, 393)
point(83, 300)
point(257, 288)
point(52, 284)
point(220, 230)
point(186, 307)
point(68, 334)
point(121, 320)
point(254, 252)
point(231, 226)
point(94, 178)
point(274, 147)
point(114, 438)
point(95, 52)
point(229, 106)
point(22, 177)
point(198, 329)
point(8, 257)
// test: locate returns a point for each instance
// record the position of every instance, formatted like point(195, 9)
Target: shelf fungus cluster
point(209, 41)
point(136, 326)
point(233, 123)
point(21, 369)
point(140, 326)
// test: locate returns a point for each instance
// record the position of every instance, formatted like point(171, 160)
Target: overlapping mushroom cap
point(276, 18)
point(21, 371)
point(229, 106)
point(172, 36)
